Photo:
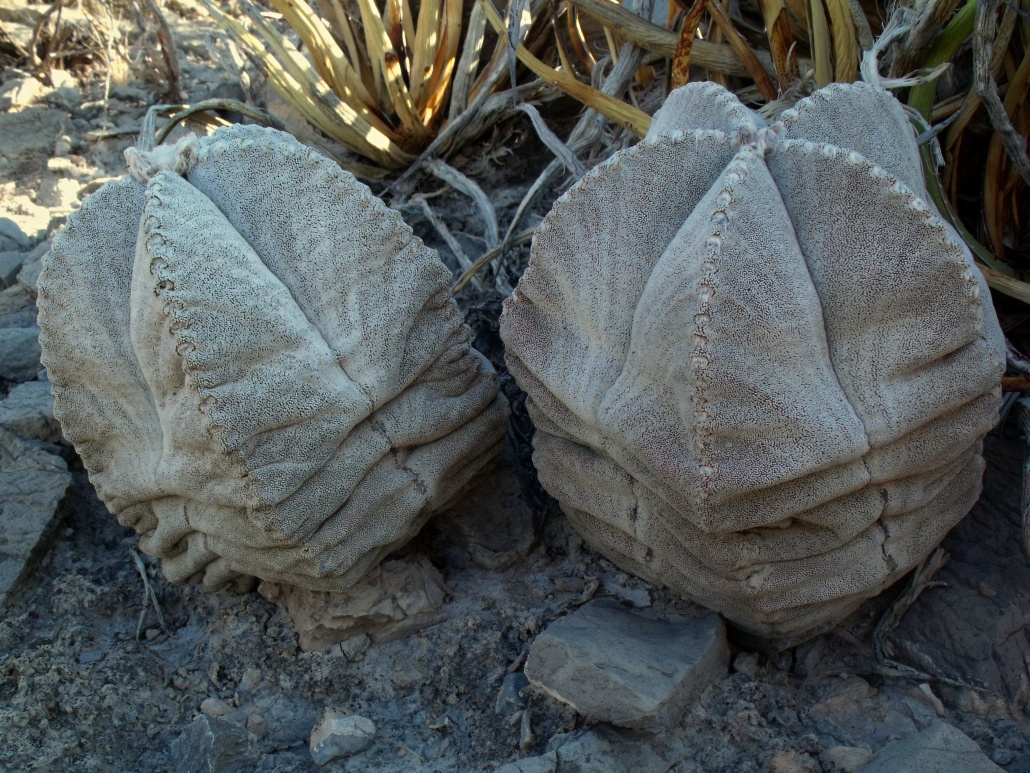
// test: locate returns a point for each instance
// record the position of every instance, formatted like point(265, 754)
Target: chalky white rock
point(760, 365)
point(259, 364)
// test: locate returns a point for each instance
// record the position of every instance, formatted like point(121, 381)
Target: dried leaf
point(685, 44)
point(741, 48)
point(614, 109)
point(781, 41)
point(819, 32)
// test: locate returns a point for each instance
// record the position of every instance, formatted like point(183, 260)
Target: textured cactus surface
point(760, 365)
point(259, 364)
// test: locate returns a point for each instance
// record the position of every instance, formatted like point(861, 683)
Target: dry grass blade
point(614, 109)
point(443, 67)
point(922, 578)
point(444, 233)
point(845, 42)
point(469, 62)
point(711, 56)
point(819, 33)
point(326, 55)
point(561, 151)
point(458, 181)
point(743, 50)
point(294, 77)
point(987, 89)
point(1005, 140)
point(688, 32)
point(387, 64)
point(579, 39)
point(929, 18)
point(487, 257)
point(188, 111)
point(781, 39)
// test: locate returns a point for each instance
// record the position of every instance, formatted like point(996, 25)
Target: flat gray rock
point(339, 735)
point(10, 264)
point(26, 139)
point(19, 353)
point(939, 748)
point(28, 274)
point(213, 745)
point(602, 750)
point(32, 484)
point(28, 411)
point(14, 301)
point(616, 666)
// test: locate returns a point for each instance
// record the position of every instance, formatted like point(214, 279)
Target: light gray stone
point(616, 666)
point(844, 759)
point(603, 750)
point(939, 748)
point(16, 308)
point(28, 275)
point(19, 353)
point(21, 92)
point(26, 139)
point(20, 11)
point(28, 411)
point(340, 735)
point(395, 599)
point(212, 745)
point(32, 484)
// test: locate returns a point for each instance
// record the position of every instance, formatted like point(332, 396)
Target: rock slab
point(395, 599)
point(19, 353)
point(604, 749)
point(213, 745)
point(340, 735)
point(939, 748)
point(620, 667)
point(28, 411)
point(32, 484)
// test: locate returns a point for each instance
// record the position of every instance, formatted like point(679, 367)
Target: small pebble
point(215, 707)
point(257, 724)
point(251, 678)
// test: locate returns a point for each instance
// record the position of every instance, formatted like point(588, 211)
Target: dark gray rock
point(13, 304)
point(939, 748)
point(32, 265)
point(28, 411)
point(19, 353)
point(491, 521)
point(10, 264)
point(212, 745)
point(976, 627)
point(617, 666)
point(509, 696)
point(32, 484)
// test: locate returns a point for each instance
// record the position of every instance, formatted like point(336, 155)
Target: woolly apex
point(259, 364)
point(760, 366)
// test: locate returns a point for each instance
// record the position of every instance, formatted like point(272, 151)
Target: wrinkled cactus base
point(764, 608)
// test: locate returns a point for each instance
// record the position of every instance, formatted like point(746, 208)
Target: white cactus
point(760, 365)
point(259, 364)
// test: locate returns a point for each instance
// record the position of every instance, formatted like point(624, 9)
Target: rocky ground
point(104, 666)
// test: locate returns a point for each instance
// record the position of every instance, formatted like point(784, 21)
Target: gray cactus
point(259, 364)
point(760, 365)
